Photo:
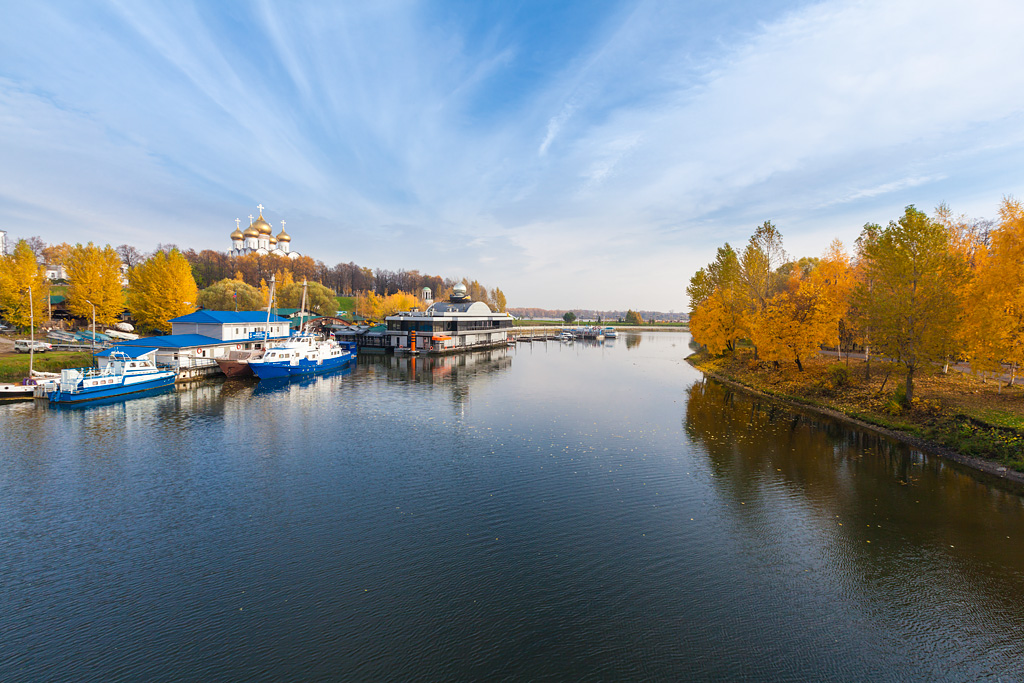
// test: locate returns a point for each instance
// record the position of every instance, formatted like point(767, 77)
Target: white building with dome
point(259, 239)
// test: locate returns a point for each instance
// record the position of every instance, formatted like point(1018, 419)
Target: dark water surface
point(552, 512)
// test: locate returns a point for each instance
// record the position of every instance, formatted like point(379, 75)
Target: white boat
point(610, 333)
point(123, 375)
point(303, 354)
point(116, 334)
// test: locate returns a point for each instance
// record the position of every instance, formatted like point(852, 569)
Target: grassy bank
point(955, 411)
point(14, 366)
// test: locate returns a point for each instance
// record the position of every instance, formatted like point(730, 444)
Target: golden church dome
point(263, 226)
point(237, 234)
point(283, 236)
point(273, 240)
point(251, 231)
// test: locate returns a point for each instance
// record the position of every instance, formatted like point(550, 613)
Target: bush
point(838, 375)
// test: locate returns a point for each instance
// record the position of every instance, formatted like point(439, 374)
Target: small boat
point(303, 354)
point(16, 392)
point(610, 333)
point(62, 337)
point(236, 365)
point(123, 375)
point(124, 336)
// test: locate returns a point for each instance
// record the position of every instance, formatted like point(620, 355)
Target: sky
point(589, 154)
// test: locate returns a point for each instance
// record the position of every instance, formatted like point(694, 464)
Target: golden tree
point(19, 273)
point(161, 288)
point(94, 274)
point(795, 322)
point(994, 320)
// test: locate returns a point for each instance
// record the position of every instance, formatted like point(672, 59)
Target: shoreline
point(988, 468)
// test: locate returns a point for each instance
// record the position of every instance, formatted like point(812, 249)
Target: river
point(549, 512)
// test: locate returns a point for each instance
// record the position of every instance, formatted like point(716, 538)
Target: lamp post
point(93, 323)
point(31, 333)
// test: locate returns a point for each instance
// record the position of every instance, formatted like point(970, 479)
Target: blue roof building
point(236, 326)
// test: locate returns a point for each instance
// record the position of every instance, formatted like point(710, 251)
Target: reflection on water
point(588, 511)
point(921, 541)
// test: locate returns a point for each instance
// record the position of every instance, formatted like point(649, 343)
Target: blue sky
point(586, 154)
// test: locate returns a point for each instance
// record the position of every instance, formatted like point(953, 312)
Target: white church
point(259, 238)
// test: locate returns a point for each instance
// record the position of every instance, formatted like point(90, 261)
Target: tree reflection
point(878, 505)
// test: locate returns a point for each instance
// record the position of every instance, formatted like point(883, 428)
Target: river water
point(550, 512)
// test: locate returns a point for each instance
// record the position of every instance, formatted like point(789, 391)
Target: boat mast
point(31, 332)
point(270, 302)
point(302, 309)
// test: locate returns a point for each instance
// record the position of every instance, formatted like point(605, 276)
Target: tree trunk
point(799, 365)
point(1013, 374)
point(910, 386)
point(867, 363)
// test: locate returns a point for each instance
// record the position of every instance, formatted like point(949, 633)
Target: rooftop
point(227, 317)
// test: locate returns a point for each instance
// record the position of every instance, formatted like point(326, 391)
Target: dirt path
point(959, 367)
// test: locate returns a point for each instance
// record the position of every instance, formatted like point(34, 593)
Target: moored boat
point(303, 354)
point(236, 364)
point(122, 376)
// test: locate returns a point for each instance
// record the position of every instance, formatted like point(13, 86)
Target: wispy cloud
point(512, 148)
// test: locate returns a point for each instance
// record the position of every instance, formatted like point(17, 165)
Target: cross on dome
point(260, 207)
point(250, 219)
point(238, 222)
point(282, 225)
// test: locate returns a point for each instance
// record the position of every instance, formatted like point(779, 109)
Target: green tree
point(94, 274)
point(231, 295)
point(20, 272)
point(319, 299)
point(633, 318)
point(161, 288)
point(569, 317)
point(913, 307)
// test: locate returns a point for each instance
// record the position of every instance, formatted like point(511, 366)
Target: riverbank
point(959, 417)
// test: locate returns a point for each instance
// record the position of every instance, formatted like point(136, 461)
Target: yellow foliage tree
point(19, 273)
point(95, 276)
point(994, 329)
point(832, 279)
point(795, 322)
point(369, 305)
point(161, 288)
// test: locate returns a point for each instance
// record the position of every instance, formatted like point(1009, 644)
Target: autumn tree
point(717, 305)
point(796, 321)
point(633, 318)
point(95, 276)
point(499, 300)
point(319, 299)
point(130, 256)
point(161, 288)
point(19, 273)
point(994, 320)
point(57, 254)
point(913, 307)
point(231, 295)
point(758, 270)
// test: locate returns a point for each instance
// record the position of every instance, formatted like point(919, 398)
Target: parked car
point(26, 345)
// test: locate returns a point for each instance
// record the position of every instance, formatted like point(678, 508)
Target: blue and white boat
point(123, 375)
point(303, 354)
